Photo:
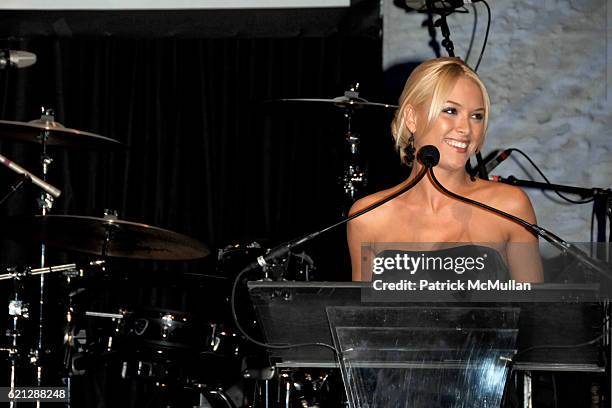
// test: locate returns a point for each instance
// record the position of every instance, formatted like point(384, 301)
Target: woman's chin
point(451, 166)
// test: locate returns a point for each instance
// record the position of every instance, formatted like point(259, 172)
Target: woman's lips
point(457, 145)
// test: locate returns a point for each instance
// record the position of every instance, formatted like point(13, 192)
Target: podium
point(423, 357)
point(418, 354)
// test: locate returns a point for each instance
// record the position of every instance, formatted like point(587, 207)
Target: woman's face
point(459, 128)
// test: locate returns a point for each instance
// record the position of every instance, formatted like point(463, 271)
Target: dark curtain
point(205, 157)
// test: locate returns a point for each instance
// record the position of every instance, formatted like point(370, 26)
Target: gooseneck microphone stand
point(564, 246)
point(426, 156)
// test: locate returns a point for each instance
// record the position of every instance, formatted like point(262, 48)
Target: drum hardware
point(19, 312)
point(292, 266)
point(45, 203)
point(259, 374)
point(165, 334)
point(208, 396)
point(68, 270)
point(296, 267)
point(354, 177)
point(117, 325)
point(221, 341)
point(308, 388)
point(301, 267)
point(47, 132)
point(223, 253)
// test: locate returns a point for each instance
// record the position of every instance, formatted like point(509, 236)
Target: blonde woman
point(445, 104)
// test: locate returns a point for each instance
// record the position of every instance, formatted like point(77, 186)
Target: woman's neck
point(427, 192)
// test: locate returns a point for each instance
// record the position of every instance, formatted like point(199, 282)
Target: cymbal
point(343, 102)
point(87, 234)
point(58, 135)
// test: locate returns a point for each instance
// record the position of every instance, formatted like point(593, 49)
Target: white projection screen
point(165, 4)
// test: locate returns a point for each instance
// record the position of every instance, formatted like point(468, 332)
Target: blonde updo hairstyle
point(431, 83)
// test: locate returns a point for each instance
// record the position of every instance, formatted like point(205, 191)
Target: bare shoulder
point(510, 199)
point(366, 201)
point(373, 222)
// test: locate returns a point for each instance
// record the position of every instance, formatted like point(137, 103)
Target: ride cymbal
point(88, 234)
point(343, 102)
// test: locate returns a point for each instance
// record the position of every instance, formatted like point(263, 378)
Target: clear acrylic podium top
point(424, 356)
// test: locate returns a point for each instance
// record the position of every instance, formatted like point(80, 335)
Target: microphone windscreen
point(429, 156)
point(22, 59)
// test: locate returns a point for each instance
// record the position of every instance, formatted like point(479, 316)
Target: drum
point(162, 330)
point(221, 341)
point(312, 388)
point(295, 267)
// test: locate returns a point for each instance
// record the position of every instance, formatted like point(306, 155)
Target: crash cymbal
point(57, 135)
point(87, 234)
point(343, 102)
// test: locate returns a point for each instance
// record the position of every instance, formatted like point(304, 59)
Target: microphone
point(429, 156)
point(497, 160)
point(492, 160)
point(55, 192)
point(16, 59)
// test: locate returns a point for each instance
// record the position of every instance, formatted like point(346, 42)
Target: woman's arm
point(522, 247)
point(358, 232)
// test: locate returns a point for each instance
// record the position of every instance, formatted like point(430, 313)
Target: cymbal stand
point(19, 311)
point(109, 232)
point(45, 203)
point(354, 178)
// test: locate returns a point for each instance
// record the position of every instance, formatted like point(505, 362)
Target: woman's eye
point(450, 110)
point(478, 116)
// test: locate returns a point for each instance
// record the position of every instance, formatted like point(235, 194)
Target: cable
point(486, 39)
point(592, 229)
point(529, 226)
point(554, 386)
point(474, 26)
point(259, 343)
point(559, 346)
point(546, 179)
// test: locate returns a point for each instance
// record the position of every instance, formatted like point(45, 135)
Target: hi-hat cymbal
point(87, 234)
point(343, 102)
point(57, 135)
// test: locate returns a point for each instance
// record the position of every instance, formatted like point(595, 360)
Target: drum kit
point(174, 349)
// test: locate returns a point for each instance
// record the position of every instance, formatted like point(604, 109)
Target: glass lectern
point(417, 357)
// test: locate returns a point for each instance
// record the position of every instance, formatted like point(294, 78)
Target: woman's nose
point(462, 125)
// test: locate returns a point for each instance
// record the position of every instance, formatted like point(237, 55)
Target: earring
point(409, 151)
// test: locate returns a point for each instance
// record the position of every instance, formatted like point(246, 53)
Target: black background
point(205, 157)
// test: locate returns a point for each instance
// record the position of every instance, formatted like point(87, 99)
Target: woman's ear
point(410, 118)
